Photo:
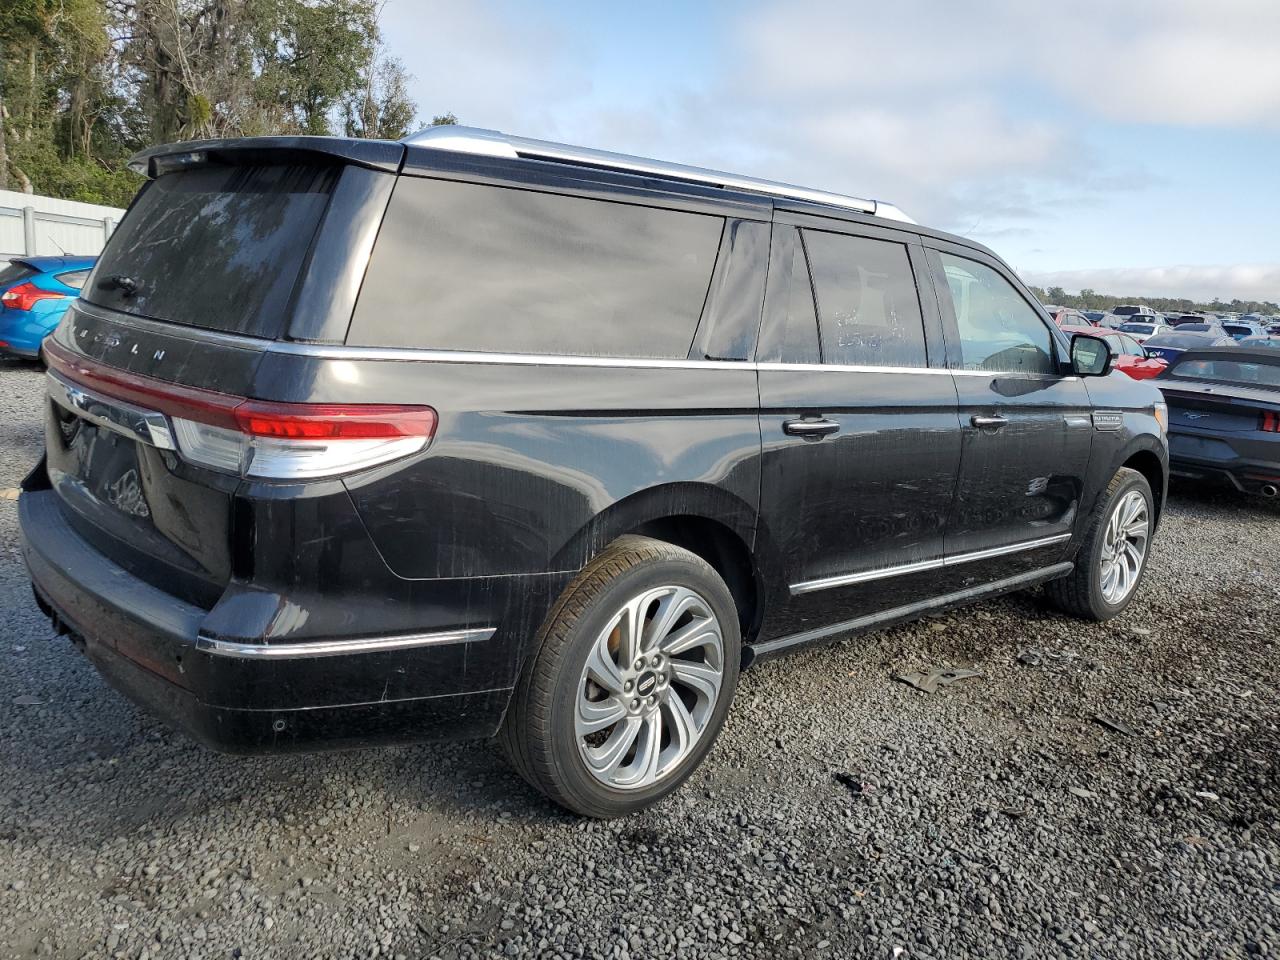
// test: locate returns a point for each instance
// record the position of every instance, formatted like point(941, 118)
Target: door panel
point(859, 460)
point(1026, 423)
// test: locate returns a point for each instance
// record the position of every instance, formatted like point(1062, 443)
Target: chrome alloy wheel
point(1124, 546)
point(649, 687)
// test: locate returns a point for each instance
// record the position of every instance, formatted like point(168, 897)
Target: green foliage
point(86, 83)
point(1088, 299)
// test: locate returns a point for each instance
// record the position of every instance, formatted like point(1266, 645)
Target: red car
point(1128, 353)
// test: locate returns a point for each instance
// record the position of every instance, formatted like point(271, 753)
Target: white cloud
point(1259, 281)
point(976, 117)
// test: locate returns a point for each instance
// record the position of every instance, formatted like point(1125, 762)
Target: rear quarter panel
point(528, 457)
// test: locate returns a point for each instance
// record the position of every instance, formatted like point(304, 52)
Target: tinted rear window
point(218, 247)
point(13, 271)
point(460, 266)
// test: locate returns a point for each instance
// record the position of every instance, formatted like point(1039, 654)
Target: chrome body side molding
point(901, 570)
point(909, 612)
point(336, 648)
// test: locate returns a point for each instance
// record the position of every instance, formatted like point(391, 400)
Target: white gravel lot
point(995, 818)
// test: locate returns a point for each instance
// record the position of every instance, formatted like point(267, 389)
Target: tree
point(86, 83)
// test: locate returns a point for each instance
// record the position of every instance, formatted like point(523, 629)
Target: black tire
point(538, 736)
point(1080, 592)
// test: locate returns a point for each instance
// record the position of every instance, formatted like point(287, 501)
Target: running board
point(887, 618)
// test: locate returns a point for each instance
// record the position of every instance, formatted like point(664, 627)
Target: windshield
point(1251, 373)
point(1126, 311)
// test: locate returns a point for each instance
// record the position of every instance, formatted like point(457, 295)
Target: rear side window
point(217, 247)
point(73, 279)
point(461, 266)
point(999, 331)
point(868, 309)
point(13, 271)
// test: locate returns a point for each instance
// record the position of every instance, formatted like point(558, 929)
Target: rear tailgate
point(208, 265)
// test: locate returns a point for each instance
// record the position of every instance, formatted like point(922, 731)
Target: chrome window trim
point(333, 648)
point(340, 351)
point(903, 569)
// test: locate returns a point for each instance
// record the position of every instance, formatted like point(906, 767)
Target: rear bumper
point(240, 696)
point(1212, 459)
point(23, 331)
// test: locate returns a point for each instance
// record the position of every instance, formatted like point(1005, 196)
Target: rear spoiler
point(376, 154)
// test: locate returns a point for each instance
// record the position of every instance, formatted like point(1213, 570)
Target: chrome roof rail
point(494, 144)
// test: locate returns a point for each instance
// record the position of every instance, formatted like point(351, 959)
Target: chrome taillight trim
point(145, 426)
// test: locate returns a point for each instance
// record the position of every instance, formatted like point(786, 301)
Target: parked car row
point(1238, 327)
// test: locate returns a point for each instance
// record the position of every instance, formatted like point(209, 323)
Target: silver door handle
point(985, 423)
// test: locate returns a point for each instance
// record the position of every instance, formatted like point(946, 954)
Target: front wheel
point(1113, 557)
point(634, 672)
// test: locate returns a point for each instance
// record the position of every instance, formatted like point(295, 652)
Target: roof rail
point(494, 144)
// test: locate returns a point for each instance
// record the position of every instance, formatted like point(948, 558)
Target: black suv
point(471, 435)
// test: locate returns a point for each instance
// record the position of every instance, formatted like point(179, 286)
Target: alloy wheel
point(1124, 546)
point(649, 687)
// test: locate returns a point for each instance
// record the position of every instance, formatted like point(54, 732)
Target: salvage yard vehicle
point(34, 294)
point(1128, 356)
point(475, 435)
point(1224, 417)
point(1167, 346)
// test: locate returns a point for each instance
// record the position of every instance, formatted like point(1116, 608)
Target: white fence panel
point(33, 225)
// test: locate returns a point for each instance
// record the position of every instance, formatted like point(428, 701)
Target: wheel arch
point(1155, 469)
point(706, 520)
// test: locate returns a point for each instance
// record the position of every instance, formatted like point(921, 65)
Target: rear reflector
point(258, 438)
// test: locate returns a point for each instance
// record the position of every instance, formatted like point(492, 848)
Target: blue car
point(34, 294)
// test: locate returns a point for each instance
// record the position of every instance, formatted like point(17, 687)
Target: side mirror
point(1090, 356)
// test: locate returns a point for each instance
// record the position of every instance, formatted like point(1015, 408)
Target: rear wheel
point(635, 669)
point(1113, 557)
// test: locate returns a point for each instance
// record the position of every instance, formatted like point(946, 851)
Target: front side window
point(462, 266)
point(868, 308)
point(999, 331)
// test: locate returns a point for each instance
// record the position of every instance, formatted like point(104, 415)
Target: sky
point(1130, 146)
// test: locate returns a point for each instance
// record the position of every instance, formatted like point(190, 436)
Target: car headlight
point(1162, 416)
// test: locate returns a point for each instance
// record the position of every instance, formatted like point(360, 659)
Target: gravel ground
point(842, 814)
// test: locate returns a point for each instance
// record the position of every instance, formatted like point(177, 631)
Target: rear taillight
point(257, 438)
point(25, 295)
point(1269, 422)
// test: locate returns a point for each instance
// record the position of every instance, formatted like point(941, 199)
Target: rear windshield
point(15, 270)
point(1126, 311)
point(217, 247)
point(1136, 327)
point(1251, 373)
point(460, 266)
